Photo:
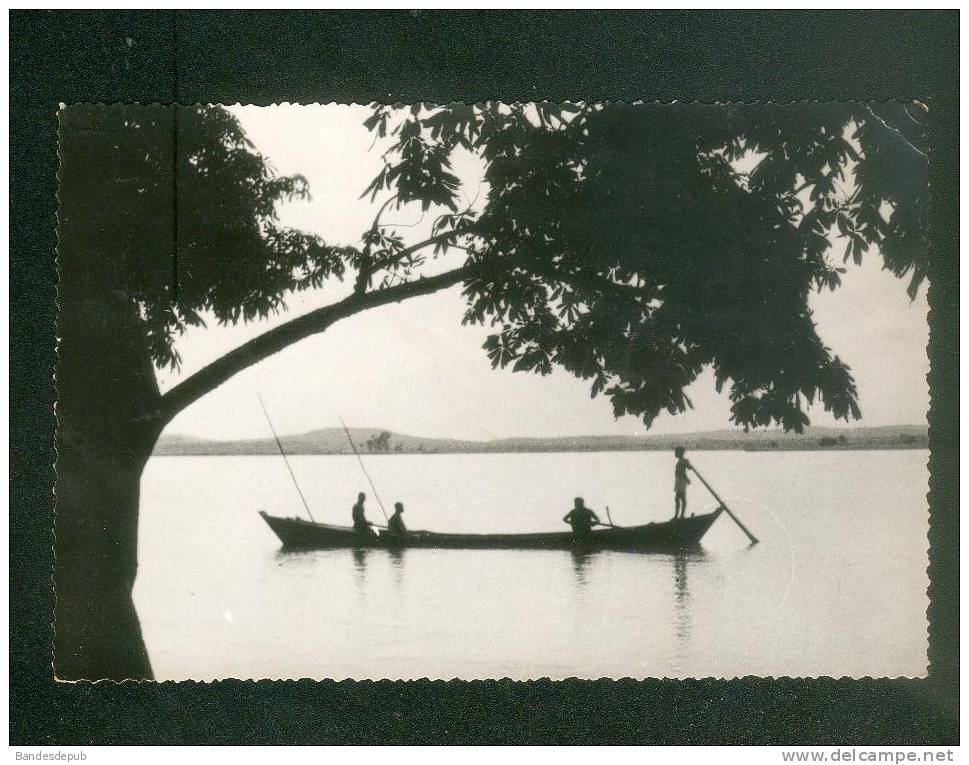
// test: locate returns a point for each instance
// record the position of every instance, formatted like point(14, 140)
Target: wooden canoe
point(684, 533)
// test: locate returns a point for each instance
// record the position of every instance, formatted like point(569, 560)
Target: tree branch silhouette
point(271, 342)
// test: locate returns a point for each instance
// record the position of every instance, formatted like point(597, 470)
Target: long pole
point(364, 469)
point(753, 540)
point(285, 459)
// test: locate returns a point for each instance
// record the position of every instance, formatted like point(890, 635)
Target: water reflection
point(360, 564)
point(296, 558)
point(397, 556)
point(580, 565)
point(682, 598)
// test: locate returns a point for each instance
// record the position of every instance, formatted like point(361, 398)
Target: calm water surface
point(836, 587)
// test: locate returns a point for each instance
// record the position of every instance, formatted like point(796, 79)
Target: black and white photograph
point(492, 390)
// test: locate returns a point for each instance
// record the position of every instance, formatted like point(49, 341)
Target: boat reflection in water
point(586, 563)
point(362, 559)
point(584, 560)
point(410, 603)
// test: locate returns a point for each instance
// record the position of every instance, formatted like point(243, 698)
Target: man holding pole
point(680, 483)
point(679, 451)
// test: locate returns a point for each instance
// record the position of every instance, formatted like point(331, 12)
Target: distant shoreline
point(370, 441)
point(542, 451)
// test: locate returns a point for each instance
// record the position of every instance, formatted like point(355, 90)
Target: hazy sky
point(414, 369)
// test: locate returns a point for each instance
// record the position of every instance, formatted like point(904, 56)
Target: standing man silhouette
point(680, 483)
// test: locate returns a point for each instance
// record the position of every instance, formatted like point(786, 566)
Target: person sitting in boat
point(360, 523)
point(680, 483)
point(396, 525)
point(581, 518)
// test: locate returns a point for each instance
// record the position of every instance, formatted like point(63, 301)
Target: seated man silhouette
point(360, 523)
point(581, 519)
point(395, 525)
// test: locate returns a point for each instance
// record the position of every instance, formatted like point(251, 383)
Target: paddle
point(611, 525)
point(753, 539)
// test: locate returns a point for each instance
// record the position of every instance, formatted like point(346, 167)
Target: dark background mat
point(264, 57)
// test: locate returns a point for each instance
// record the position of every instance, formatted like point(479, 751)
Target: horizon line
point(680, 434)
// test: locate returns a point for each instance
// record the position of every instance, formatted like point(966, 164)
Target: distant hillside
point(376, 441)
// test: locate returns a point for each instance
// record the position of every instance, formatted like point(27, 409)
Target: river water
point(836, 587)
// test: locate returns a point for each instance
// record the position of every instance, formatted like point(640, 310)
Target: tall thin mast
point(364, 469)
point(288, 466)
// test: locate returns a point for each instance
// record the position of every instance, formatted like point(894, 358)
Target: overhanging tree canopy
point(177, 211)
point(632, 245)
point(640, 244)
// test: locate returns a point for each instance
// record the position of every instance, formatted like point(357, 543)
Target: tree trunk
point(97, 634)
point(107, 409)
